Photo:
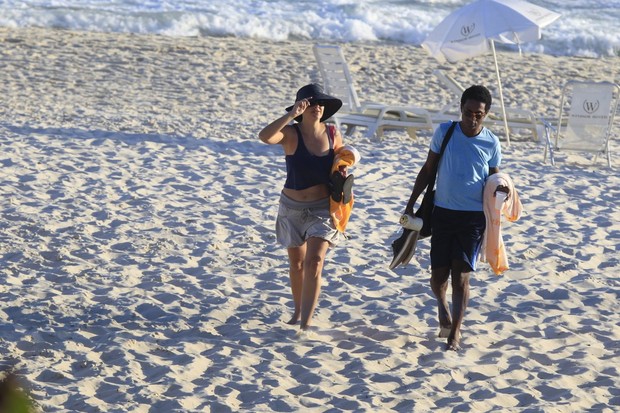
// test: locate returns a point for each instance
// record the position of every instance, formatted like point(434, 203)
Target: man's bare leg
point(439, 285)
point(296, 258)
point(313, 266)
point(460, 298)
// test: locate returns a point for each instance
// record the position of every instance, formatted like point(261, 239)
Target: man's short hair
point(478, 93)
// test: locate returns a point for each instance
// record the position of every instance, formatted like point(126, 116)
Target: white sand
point(139, 267)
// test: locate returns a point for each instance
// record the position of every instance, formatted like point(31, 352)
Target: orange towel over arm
point(340, 212)
point(493, 250)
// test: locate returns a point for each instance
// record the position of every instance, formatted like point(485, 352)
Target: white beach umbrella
point(472, 30)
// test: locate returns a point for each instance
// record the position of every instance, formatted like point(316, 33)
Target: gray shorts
point(297, 221)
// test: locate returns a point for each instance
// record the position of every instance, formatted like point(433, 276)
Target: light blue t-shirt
point(464, 167)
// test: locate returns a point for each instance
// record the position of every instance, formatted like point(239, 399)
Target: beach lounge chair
point(375, 117)
point(452, 108)
point(517, 118)
point(585, 120)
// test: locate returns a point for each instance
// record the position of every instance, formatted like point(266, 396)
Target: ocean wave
point(588, 31)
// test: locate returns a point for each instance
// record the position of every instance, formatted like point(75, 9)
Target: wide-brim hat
point(314, 92)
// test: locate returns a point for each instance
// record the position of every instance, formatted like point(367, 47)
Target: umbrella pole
point(501, 94)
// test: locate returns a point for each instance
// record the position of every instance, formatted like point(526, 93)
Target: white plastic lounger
point(585, 120)
point(517, 118)
point(375, 117)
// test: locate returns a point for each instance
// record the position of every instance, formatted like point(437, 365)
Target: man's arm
point(501, 188)
point(428, 170)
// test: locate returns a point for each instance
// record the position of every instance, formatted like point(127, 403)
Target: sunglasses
point(473, 115)
point(317, 102)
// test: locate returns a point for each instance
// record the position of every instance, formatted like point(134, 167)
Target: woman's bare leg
point(312, 269)
point(296, 257)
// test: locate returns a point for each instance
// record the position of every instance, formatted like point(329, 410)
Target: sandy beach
point(140, 272)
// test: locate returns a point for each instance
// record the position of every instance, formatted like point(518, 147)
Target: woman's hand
point(300, 107)
point(273, 133)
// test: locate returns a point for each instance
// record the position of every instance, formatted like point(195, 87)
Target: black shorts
point(457, 235)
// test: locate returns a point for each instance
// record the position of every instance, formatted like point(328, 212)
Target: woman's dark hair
point(479, 94)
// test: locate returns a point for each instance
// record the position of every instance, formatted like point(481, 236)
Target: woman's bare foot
point(453, 342)
point(453, 345)
point(294, 319)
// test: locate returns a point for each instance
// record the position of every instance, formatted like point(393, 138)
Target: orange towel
point(341, 212)
point(493, 250)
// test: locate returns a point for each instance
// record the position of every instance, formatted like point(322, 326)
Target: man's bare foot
point(294, 319)
point(445, 324)
point(444, 331)
point(453, 345)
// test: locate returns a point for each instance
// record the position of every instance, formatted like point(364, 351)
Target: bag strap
point(446, 139)
point(331, 133)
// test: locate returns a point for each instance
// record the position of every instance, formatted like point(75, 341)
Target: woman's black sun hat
point(314, 92)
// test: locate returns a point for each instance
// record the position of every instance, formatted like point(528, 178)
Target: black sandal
point(337, 184)
point(347, 189)
point(341, 187)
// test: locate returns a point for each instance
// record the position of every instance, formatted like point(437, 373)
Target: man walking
point(472, 154)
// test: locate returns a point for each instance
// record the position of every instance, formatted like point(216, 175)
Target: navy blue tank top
point(304, 169)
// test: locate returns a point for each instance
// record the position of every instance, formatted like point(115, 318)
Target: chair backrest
point(586, 116)
point(454, 105)
point(449, 82)
point(337, 79)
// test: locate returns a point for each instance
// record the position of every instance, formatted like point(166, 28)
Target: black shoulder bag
point(425, 211)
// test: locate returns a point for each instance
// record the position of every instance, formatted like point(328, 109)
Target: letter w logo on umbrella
point(468, 30)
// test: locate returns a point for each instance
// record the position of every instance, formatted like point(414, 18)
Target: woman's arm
point(273, 133)
point(338, 140)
